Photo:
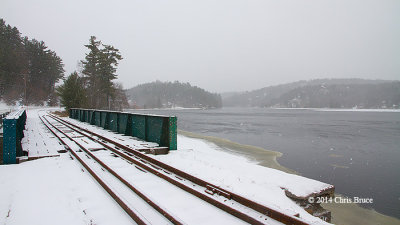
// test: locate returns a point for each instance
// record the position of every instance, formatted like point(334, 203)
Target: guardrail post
point(91, 117)
point(72, 113)
point(76, 114)
point(172, 131)
point(104, 119)
point(124, 123)
point(113, 121)
point(154, 128)
point(84, 115)
point(97, 118)
point(139, 126)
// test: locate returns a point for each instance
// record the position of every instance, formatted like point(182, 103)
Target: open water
point(358, 152)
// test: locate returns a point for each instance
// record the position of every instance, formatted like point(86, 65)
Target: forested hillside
point(171, 94)
point(28, 69)
point(323, 93)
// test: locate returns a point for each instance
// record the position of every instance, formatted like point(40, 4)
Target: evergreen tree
point(12, 63)
point(28, 70)
point(99, 68)
point(45, 68)
point(90, 71)
point(109, 58)
point(72, 92)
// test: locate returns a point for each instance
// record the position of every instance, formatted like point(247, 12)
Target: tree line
point(172, 94)
point(29, 70)
point(365, 96)
point(93, 86)
point(323, 93)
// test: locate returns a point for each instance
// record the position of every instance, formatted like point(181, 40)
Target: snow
point(241, 175)
point(209, 157)
point(57, 191)
point(54, 191)
point(39, 141)
point(15, 114)
point(8, 108)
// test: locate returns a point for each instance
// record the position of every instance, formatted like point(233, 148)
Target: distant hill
point(322, 93)
point(171, 94)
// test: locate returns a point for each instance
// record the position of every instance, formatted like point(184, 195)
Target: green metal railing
point(13, 132)
point(152, 128)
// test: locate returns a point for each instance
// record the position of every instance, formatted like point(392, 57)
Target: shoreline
point(252, 152)
point(341, 213)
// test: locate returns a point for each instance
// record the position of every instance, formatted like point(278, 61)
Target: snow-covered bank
point(346, 214)
point(256, 155)
point(240, 174)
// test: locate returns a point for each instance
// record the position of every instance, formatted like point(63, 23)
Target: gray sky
point(222, 45)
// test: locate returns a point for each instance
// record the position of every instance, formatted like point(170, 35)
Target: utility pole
point(109, 102)
point(25, 99)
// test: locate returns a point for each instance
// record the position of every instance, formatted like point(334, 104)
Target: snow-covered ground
point(57, 191)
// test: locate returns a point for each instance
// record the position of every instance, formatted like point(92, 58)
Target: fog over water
point(358, 152)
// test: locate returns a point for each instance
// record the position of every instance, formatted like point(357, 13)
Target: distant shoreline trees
point(28, 69)
point(170, 95)
point(323, 93)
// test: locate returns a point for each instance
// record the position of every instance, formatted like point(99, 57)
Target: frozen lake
point(357, 151)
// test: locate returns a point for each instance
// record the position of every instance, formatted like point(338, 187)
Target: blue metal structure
point(13, 132)
point(153, 128)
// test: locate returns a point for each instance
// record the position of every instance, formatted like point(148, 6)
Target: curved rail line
point(113, 194)
point(165, 172)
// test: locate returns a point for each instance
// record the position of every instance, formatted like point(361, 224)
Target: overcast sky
point(222, 45)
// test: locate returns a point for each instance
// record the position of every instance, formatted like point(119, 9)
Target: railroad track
point(85, 146)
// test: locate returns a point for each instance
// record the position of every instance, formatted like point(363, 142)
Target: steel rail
point(126, 208)
point(274, 214)
point(182, 186)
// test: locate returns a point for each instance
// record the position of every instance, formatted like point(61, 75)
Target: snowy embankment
point(57, 191)
point(237, 173)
